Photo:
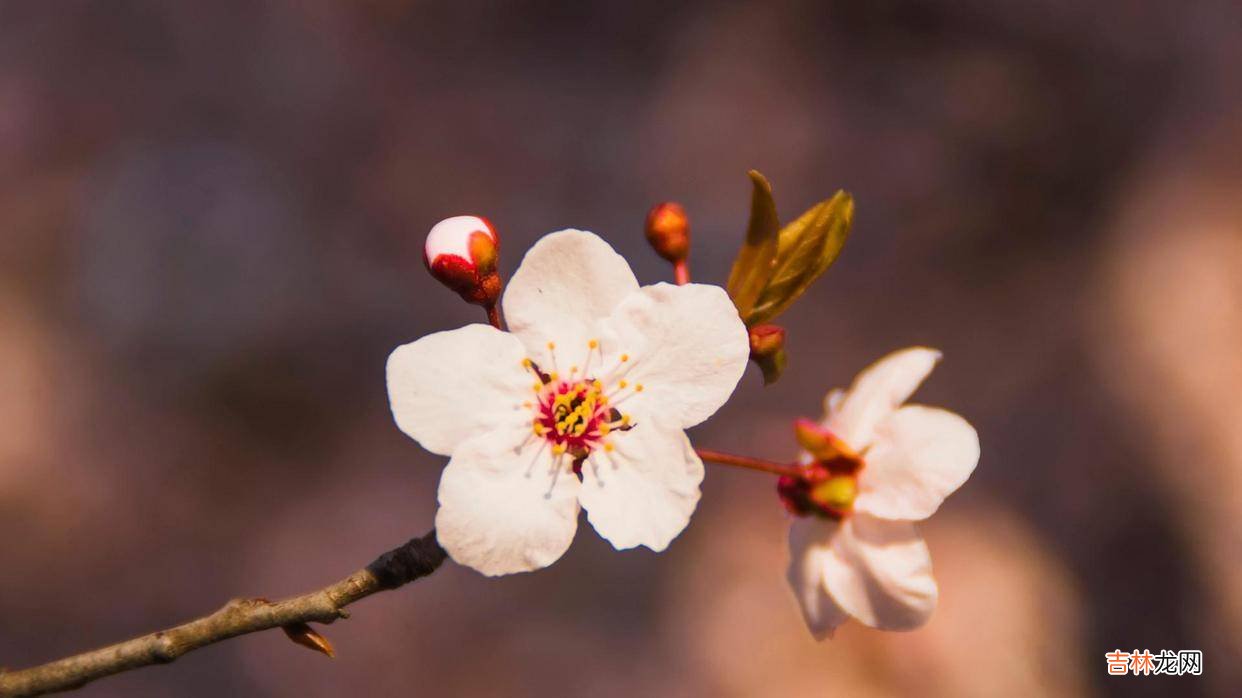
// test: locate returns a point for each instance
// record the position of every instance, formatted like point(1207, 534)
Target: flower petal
point(810, 541)
point(644, 491)
point(688, 346)
point(506, 509)
point(567, 282)
point(880, 572)
point(877, 391)
point(920, 455)
point(450, 386)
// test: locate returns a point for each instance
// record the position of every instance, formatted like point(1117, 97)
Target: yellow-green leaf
point(805, 249)
point(754, 264)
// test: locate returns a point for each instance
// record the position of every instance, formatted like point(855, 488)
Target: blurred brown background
point(210, 227)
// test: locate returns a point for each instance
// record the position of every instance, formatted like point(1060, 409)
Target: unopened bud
point(767, 350)
point(766, 340)
point(308, 637)
point(461, 252)
point(822, 444)
point(668, 231)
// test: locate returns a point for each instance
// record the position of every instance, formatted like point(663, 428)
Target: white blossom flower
point(582, 403)
point(876, 467)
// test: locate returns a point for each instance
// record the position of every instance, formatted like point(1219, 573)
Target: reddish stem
point(493, 316)
point(681, 272)
point(764, 466)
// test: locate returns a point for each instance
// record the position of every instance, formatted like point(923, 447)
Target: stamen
point(552, 353)
point(556, 473)
point(591, 347)
point(538, 452)
point(595, 470)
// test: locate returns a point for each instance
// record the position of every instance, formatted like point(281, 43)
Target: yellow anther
point(527, 404)
point(625, 420)
point(558, 449)
point(623, 384)
point(538, 387)
point(604, 428)
point(597, 385)
point(552, 375)
point(625, 357)
point(608, 447)
point(573, 370)
point(638, 387)
point(526, 363)
point(551, 346)
point(593, 343)
point(537, 428)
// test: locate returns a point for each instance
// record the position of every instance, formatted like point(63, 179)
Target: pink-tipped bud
point(767, 350)
point(668, 231)
point(461, 253)
point(822, 444)
point(766, 340)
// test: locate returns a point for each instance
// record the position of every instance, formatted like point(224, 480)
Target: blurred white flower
point(583, 402)
point(871, 468)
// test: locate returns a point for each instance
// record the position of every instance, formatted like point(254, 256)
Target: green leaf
point(754, 264)
point(805, 249)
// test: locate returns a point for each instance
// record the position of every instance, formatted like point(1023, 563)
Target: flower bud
point(461, 252)
point(823, 445)
point(767, 350)
point(668, 231)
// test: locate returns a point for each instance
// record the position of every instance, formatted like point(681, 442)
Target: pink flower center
point(824, 488)
point(578, 415)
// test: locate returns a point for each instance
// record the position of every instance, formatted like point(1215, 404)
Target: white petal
point(920, 455)
point(810, 542)
point(644, 491)
point(688, 346)
point(450, 386)
point(832, 401)
point(880, 572)
point(877, 391)
point(451, 236)
point(505, 509)
point(568, 282)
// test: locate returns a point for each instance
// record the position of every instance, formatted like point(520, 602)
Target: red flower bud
point(668, 231)
point(461, 253)
point(767, 350)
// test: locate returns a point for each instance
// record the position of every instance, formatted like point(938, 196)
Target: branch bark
point(397, 567)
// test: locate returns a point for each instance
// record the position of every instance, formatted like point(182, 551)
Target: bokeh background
point(210, 226)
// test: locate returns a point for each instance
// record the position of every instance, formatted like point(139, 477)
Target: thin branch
point(763, 466)
point(417, 558)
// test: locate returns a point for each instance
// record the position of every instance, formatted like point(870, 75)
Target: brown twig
point(417, 558)
point(763, 466)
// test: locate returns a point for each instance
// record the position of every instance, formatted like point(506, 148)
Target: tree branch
point(417, 558)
